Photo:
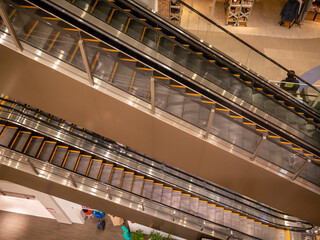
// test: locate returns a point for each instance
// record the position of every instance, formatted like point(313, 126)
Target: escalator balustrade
point(68, 157)
point(126, 73)
point(60, 39)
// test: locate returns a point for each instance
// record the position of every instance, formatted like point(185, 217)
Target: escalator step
point(33, 146)
point(185, 202)
point(20, 140)
point(105, 173)
point(235, 219)
point(102, 11)
point(94, 168)
point(71, 159)
point(127, 180)
point(59, 155)
point(176, 198)
point(7, 135)
point(82, 166)
point(166, 195)
point(202, 208)
point(219, 216)
point(147, 188)
point(157, 192)
point(194, 205)
point(116, 178)
point(46, 150)
point(227, 218)
point(137, 184)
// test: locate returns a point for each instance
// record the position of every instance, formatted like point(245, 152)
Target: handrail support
point(84, 55)
point(8, 24)
point(73, 182)
point(209, 122)
point(254, 155)
point(32, 167)
point(153, 97)
point(304, 165)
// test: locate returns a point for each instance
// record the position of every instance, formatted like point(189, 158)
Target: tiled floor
point(24, 227)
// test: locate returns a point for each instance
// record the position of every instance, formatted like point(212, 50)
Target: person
point(290, 84)
point(290, 11)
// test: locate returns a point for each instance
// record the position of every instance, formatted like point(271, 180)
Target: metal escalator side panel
point(94, 168)
point(7, 135)
point(82, 164)
point(2, 126)
point(71, 159)
point(46, 150)
point(33, 146)
point(20, 140)
point(211, 211)
point(58, 155)
point(202, 208)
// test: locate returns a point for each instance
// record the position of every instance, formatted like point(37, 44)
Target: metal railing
point(111, 151)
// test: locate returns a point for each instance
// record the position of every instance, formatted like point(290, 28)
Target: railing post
point(304, 165)
point(8, 24)
point(209, 123)
point(254, 155)
point(32, 167)
point(72, 181)
point(84, 55)
point(109, 193)
point(153, 107)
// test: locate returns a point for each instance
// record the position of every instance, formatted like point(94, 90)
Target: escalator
point(109, 61)
point(57, 147)
point(127, 28)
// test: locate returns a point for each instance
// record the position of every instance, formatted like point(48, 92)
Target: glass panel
point(280, 156)
point(312, 173)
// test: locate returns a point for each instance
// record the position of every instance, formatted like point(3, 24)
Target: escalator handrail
point(314, 113)
point(70, 16)
point(248, 214)
point(109, 186)
point(266, 221)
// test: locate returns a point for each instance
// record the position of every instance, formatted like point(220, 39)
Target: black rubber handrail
point(248, 214)
point(290, 97)
point(245, 43)
point(64, 14)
